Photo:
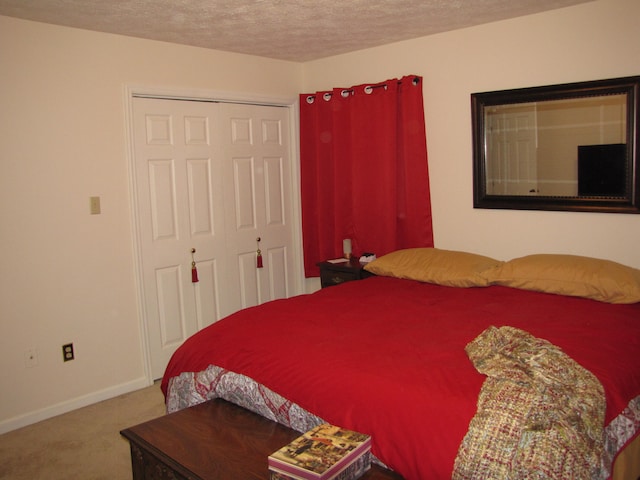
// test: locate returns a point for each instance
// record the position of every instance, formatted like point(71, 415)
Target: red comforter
point(387, 357)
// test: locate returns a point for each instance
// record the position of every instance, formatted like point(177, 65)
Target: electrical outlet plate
point(67, 352)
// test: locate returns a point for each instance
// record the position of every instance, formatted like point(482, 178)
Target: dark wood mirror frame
point(627, 201)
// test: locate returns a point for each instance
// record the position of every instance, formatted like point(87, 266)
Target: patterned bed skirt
point(189, 389)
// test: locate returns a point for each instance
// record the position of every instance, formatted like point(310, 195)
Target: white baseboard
point(73, 404)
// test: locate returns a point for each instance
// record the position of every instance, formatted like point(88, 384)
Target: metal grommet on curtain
point(415, 81)
point(368, 89)
point(310, 99)
point(326, 97)
point(345, 93)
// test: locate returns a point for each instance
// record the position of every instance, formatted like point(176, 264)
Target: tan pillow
point(433, 265)
point(572, 275)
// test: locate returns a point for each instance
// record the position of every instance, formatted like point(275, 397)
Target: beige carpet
point(84, 444)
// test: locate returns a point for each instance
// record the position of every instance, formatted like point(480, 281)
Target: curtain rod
point(350, 91)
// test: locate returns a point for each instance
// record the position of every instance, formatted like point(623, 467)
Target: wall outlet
point(31, 358)
point(67, 352)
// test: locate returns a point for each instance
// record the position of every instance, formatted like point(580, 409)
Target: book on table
point(326, 452)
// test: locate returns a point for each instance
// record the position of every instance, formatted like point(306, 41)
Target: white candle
point(346, 247)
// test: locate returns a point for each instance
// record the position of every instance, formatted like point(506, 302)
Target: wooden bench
point(215, 440)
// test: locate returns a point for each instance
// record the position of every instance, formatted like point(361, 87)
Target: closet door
point(209, 177)
point(257, 174)
point(180, 207)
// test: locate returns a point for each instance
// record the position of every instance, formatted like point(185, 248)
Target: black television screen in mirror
point(602, 170)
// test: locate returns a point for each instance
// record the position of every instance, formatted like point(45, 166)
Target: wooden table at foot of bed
point(215, 440)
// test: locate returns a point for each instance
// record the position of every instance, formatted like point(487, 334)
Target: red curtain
point(364, 173)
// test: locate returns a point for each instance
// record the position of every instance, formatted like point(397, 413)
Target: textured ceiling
point(299, 31)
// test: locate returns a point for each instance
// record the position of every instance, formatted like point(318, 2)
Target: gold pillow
point(571, 275)
point(433, 265)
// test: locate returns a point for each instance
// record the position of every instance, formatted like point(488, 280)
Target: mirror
point(566, 147)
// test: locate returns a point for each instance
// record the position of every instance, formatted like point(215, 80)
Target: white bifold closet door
point(210, 177)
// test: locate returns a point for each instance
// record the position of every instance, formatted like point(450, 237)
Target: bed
point(396, 356)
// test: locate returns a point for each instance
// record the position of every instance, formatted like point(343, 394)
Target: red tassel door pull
point(259, 255)
point(194, 270)
point(194, 273)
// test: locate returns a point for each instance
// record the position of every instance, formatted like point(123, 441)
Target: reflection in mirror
point(563, 147)
point(532, 148)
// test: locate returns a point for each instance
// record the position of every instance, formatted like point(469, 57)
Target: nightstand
point(337, 273)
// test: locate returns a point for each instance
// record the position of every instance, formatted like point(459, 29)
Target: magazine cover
point(326, 452)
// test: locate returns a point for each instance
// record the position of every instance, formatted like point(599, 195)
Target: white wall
point(587, 42)
point(67, 276)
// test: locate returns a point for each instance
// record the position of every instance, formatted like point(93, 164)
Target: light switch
point(94, 205)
